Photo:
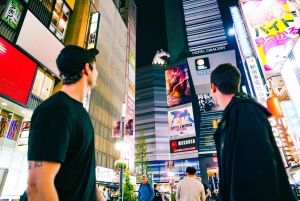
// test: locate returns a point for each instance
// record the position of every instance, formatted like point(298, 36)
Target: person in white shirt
point(189, 188)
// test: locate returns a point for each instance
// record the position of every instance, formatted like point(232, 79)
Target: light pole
point(122, 146)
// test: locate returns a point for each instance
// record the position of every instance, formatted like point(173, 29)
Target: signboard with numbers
point(12, 13)
point(260, 90)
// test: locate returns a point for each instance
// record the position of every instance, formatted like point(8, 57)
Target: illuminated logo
point(202, 64)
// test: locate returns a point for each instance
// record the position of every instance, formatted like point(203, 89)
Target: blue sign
point(204, 72)
point(291, 116)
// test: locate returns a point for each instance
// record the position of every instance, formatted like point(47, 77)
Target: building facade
point(32, 33)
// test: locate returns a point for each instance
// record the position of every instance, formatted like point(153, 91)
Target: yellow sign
point(131, 60)
point(131, 88)
point(215, 123)
point(272, 29)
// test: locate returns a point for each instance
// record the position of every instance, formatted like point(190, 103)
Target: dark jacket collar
point(243, 97)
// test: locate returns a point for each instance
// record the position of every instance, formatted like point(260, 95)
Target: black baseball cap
point(72, 59)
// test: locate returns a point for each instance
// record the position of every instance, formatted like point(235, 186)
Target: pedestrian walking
point(189, 188)
point(61, 150)
point(248, 157)
point(157, 194)
point(206, 189)
point(146, 192)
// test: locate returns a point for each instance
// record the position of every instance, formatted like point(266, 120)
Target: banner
point(116, 129)
point(272, 29)
point(177, 86)
point(128, 126)
point(130, 88)
point(181, 122)
point(130, 107)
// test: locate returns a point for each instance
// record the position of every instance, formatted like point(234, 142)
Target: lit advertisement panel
point(181, 122)
point(183, 145)
point(177, 86)
point(207, 103)
point(272, 28)
point(12, 13)
point(17, 73)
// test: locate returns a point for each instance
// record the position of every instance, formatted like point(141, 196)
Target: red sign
point(17, 73)
point(183, 145)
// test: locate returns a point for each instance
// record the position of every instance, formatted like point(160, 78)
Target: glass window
point(47, 87)
point(38, 83)
point(43, 85)
point(60, 19)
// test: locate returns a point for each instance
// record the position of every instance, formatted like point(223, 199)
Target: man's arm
point(152, 193)
point(41, 175)
point(202, 194)
point(99, 194)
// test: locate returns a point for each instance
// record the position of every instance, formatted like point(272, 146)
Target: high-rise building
point(199, 39)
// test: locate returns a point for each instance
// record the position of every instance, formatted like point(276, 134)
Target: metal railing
point(34, 102)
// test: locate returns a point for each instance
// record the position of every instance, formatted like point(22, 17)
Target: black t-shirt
point(61, 131)
point(205, 188)
point(157, 196)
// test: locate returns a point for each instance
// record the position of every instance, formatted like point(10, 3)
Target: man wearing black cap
point(61, 151)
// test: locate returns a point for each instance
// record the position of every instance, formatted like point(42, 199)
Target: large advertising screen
point(177, 86)
point(181, 122)
point(17, 73)
point(272, 28)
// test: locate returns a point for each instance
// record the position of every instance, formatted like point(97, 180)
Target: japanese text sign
point(272, 29)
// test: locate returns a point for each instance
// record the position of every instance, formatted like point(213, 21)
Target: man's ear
point(213, 87)
point(86, 69)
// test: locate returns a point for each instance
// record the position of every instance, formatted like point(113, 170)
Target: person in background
point(105, 194)
point(189, 189)
point(146, 192)
point(157, 196)
point(206, 189)
point(250, 164)
point(108, 195)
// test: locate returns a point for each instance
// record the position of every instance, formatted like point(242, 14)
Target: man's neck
point(191, 176)
point(76, 91)
point(225, 100)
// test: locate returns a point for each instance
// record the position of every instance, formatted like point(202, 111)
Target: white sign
point(131, 74)
point(257, 82)
point(106, 175)
point(209, 50)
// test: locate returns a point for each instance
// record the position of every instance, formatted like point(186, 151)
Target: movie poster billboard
point(206, 103)
point(181, 122)
point(272, 28)
point(177, 86)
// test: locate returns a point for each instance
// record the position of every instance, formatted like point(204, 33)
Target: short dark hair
point(227, 78)
point(75, 77)
point(191, 170)
point(155, 185)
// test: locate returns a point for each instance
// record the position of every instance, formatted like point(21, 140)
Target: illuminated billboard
point(17, 73)
point(177, 86)
point(183, 145)
point(272, 28)
point(181, 122)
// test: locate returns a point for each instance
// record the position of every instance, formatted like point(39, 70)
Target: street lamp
point(122, 146)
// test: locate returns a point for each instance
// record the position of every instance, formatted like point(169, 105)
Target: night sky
point(151, 30)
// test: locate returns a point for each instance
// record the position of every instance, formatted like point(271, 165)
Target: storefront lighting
point(231, 31)
point(4, 103)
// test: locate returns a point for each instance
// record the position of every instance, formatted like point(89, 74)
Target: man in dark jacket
point(250, 165)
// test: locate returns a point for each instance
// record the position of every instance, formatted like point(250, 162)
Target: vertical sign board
point(272, 28)
point(257, 81)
